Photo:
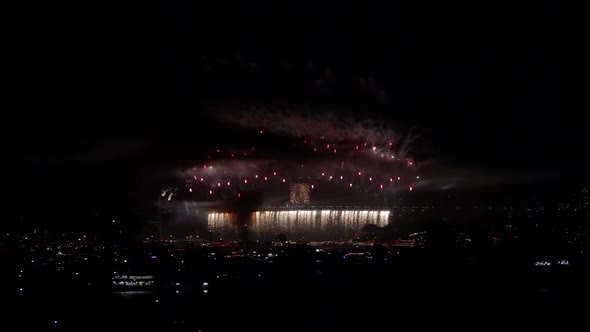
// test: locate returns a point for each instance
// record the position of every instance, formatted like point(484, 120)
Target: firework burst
point(326, 152)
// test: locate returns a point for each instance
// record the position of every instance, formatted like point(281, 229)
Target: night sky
point(107, 97)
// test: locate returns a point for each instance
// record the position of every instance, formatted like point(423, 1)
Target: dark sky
point(114, 90)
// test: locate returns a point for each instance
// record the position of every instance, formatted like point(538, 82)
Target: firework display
point(309, 165)
point(298, 156)
point(301, 223)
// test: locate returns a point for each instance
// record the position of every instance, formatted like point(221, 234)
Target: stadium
point(320, 185)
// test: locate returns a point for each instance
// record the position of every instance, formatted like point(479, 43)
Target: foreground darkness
point(447, 284)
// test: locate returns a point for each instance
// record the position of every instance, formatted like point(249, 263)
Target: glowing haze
point(332, 154)
point(314, 126)
point(337, 156)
